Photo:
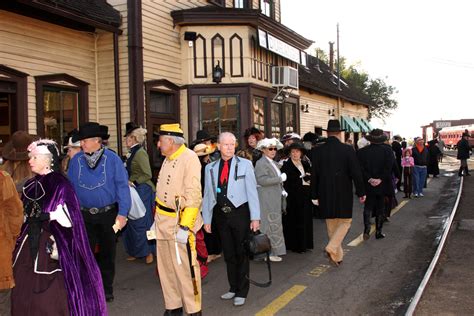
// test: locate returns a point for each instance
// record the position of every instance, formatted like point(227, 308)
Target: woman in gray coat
point(271, 195)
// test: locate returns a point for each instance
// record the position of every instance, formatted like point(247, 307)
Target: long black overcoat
point(335, 168)
point(377, 162)
point(463, 149)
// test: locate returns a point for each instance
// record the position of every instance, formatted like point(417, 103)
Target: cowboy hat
point(376, 136)
point(334, 126)
point(17, 147)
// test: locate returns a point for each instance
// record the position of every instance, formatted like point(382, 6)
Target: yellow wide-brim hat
point(171, 130)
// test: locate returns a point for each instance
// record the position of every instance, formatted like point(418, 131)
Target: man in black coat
point(335, 168)
point(376, 161)
point(397, 149)
point(463, 154)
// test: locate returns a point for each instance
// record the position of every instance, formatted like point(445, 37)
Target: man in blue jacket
point(230, 194)
point(101, 184)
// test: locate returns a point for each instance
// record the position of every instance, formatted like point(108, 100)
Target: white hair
point(361, 143)
point(178, 140)
point(139, 134)
point(225, 135)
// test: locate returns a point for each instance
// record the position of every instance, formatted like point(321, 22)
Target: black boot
point(466, 172)
point(378, 227)
point(366, 224)
point(174, 312)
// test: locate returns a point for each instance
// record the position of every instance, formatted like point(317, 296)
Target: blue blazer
point(241, 188)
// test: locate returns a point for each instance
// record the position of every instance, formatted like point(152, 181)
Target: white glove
point(315, 202)
point(283, 177)
point(182, 236)
point(284, 193)
point(61, 215)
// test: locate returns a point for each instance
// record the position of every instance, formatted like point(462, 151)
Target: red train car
point(451, 135)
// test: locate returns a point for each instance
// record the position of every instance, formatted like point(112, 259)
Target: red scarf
point(420, 147)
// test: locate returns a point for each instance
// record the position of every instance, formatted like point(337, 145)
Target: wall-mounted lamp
point(304, 108)
point(217, 73)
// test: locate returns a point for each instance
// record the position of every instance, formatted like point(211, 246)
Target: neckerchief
point(93, 159)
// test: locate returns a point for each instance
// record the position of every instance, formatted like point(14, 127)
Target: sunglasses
point(272, 149)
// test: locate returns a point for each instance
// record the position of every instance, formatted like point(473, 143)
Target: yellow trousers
point(337, 231)
point(179, 288)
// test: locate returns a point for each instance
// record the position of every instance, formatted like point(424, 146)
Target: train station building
point(215, 65)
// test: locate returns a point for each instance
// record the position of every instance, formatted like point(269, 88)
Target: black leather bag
point(258, 246)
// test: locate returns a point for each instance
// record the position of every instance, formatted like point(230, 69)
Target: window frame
point(53, 81)
point(218, 97)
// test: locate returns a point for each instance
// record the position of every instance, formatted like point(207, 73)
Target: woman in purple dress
point(53, 266)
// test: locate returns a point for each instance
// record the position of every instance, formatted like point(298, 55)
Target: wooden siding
point(40, 48)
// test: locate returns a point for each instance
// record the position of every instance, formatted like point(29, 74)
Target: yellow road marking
point(316, 272)
point(281, 301)
point(360, 239)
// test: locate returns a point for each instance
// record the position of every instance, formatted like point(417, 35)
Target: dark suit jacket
point(377, 162)
point(335, 168)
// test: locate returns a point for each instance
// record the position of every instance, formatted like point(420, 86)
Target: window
point(241, 4)
point(161, 103)
point(62, 102)
point(266, 7)
point(275, 115)
point(220, 114)
point(283, 118)
point(290, 117)
point(258, 113)
point(61, 112)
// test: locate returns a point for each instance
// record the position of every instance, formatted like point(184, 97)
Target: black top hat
point(376, 136)
point(74, 134)
point(334, 126)
point(130, 127)
point(310, 137)
point(93, 129)
point(202, 136)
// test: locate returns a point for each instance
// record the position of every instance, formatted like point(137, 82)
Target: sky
point(423, 48)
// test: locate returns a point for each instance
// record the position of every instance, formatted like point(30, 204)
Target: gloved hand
point(182, 236)
point(284, 193)
point(61, 215)
point(315, 202)
point(283, 177)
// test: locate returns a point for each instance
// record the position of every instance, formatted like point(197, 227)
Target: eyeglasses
point(272, 149)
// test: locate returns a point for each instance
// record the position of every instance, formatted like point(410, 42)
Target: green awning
point(349, 125)
point(361, 124)
point(367, 124)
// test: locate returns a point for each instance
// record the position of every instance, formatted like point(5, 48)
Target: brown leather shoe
point(149, 258)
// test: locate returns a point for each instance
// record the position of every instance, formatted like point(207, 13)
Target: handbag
point(258, 246)
point(137, 210)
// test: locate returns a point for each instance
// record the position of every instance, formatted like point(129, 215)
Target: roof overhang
point(211, 15)
point(331, 93)
point(57, 15)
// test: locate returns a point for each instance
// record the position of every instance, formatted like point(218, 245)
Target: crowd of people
point(63, 213)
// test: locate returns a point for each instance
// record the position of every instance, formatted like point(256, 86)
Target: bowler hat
point(376, 136)
point(130, 127)
point(16, 148)
point(93, 129)
point(334, 126)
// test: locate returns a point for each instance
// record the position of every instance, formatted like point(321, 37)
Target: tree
point(379, 92)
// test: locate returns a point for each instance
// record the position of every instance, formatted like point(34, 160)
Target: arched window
point(218, 52)
point(200, 57)
point(236, 56)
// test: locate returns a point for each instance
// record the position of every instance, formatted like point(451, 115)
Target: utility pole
point(338, 62)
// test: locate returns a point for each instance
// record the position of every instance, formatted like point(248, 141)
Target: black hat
point(295, 145)
point(376, 136)
point(93, 129)
point(202, 136)
point(334, 126)
point(74, 134)
point(252, 131)
point(130, 127)
point(310, 137)
point(105, 132)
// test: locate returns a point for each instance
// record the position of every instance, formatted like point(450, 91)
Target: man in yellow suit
point(177, 219)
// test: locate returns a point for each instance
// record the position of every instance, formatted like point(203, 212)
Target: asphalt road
point(377, 276)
